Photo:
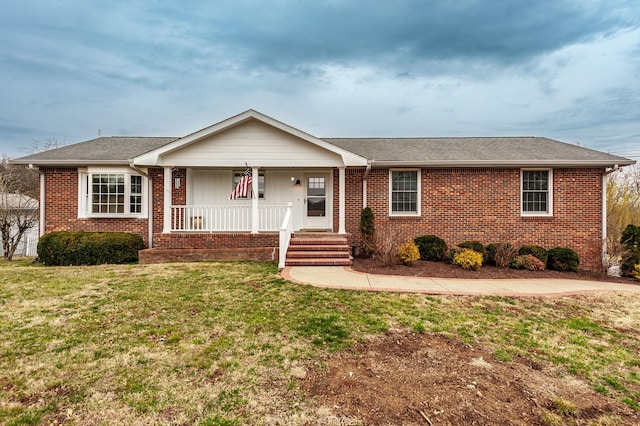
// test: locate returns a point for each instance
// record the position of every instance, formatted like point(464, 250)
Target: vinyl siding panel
point(253, 143)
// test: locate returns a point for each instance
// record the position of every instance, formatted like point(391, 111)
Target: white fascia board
point(505, 164)
point(69, 163)
point(153, 158)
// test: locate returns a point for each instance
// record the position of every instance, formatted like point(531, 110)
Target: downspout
point(41, 219)
point(605, 178)
point(364, 183)
point(149, 203)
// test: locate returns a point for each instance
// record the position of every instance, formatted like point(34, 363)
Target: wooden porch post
point(341, 200)
point(167, 200)
point(255, 214)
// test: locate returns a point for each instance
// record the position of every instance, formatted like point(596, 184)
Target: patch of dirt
point(420, 379)
point(426, 268)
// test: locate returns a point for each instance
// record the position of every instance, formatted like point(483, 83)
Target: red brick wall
point(216, 240)
point(456, 204)
point(61, 207)
point(484, 205)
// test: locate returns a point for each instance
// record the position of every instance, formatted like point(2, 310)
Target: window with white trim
point(536, 194)
point(109, 193)
point(236, 179)
point(404, 192)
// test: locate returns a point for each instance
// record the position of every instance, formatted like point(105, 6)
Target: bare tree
point(18, 214)
point(18, 179)
point(623, 208)
point(18, 207)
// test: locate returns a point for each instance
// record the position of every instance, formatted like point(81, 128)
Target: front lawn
point(227, 343)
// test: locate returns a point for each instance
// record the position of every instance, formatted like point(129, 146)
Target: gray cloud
point(341, 67)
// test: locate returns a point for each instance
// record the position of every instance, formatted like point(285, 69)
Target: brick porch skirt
point(193, 247)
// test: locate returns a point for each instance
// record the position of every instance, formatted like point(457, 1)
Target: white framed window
point(404, 192)
point(237, 174)
point(536, 192)
point(112, 193)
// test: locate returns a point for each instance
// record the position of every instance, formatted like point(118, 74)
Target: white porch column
point(255, 214)
point(167, 200)
point(341, 201)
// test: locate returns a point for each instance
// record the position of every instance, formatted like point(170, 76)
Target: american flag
point(242, 188)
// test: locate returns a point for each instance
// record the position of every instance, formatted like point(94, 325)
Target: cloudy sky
point(568, 70)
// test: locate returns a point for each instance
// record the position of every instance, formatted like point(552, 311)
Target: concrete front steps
point(318, 249)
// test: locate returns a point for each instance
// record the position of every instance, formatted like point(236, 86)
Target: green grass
point(221, 343)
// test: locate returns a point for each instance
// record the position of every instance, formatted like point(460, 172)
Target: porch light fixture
point(298, 183)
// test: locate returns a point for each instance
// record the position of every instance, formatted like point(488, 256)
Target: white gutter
point(149, 203)
point(605, 177)
point(499, 163)
point(364, 183)
point(41, 220)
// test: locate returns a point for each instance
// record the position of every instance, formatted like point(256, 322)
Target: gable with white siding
point(254, 143)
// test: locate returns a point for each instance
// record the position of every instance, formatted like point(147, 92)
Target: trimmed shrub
point(528, 261)
point(491, 252)
point(408, 252)
point(475, 246)
point(540, 252)
point(636, 272)
point(89, 248)
point(630, 239)
point(563, 259)
point(468, 259)
point(452, 252)
point(367, 231)
point(431, 247)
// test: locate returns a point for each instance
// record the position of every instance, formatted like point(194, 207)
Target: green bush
point(468, 259)
point(630, 239)
point(491, 252)
point(431, 247)
point(563, 259)
point(89, 248)
point(475, 246)
point(367, 231)
point(540, 252)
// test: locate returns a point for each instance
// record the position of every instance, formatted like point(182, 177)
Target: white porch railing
point(285, 236)
point(225, 218)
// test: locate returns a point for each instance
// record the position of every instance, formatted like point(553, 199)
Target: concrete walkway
point(341, 277)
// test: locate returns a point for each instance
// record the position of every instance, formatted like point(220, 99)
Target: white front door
point(317, 201)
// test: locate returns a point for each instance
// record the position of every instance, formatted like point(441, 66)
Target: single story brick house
point(174, 192)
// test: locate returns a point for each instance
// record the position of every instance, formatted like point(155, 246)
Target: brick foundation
point(196, 255)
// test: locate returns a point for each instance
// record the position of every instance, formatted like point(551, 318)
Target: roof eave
point(69, 163)
point(505, 164)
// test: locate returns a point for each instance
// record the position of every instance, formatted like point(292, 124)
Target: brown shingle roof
point(104, 150)
point(474, 151)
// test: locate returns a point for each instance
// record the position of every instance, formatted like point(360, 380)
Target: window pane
point(108, 195)
point(404, 191)
point(535, 191)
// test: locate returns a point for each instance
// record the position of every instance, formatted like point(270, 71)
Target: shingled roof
point(381, 152)
point(467, 152)
point(113, 150)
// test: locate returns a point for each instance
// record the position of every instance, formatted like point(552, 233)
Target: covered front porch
point(198, 214)
point(298, 183)
point(197, 200)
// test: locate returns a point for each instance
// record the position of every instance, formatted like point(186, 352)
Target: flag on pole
point(242, 188)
